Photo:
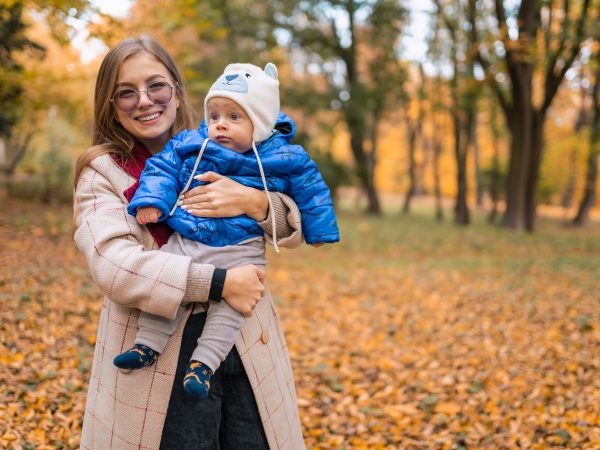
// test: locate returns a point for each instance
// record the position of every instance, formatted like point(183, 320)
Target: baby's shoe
point(197, 380)
point(135, 358)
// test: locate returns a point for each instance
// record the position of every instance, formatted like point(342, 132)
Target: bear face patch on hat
point(255, 90)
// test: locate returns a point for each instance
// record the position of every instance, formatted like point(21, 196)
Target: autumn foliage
point(410, 334)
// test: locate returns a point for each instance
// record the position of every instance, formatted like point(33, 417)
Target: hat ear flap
point(271, 70)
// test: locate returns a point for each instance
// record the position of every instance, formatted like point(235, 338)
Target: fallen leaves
point(408, 335)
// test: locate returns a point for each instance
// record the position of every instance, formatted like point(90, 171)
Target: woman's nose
point(144, 101)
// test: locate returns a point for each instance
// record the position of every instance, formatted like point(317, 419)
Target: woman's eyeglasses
point(159, 93)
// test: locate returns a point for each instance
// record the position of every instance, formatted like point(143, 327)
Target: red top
point(134, 167)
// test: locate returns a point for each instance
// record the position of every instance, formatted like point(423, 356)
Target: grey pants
point(223, 323)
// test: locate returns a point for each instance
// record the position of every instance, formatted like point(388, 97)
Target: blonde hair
point(109, 135)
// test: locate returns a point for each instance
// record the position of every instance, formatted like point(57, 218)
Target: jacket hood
point(285, 126)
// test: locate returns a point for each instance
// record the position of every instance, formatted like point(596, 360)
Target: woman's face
point(149, 122)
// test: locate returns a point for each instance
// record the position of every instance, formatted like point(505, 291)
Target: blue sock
point(136, 357)
point(197, 380)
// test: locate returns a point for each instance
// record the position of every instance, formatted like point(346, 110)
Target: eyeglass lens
point(159, 93)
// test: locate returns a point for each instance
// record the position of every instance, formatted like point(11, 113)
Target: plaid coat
point(134, 278)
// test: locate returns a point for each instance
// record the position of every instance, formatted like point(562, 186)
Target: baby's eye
point(235, 116)
point(214, 116)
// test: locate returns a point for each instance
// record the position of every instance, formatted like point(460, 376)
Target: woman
point(251, 406)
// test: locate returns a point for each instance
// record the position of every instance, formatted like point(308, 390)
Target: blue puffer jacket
point(288, 169)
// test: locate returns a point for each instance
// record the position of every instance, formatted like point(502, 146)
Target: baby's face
point(228, 124)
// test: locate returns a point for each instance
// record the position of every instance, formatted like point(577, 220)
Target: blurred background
point(450, 100)
point(460, 139)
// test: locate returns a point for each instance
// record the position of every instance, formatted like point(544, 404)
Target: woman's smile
point(149, 117)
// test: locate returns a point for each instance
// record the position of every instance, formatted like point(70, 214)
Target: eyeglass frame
point(145, 91)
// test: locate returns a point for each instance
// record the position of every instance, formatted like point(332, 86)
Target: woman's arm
point(287, 216)
point(152, 281)
point(224, 197)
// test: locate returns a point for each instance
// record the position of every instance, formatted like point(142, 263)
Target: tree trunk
point(537, 132)
point(365, 173)
point(495, 178)
point(355, 120)
point(365, 166)
point(475, 147)
point(373, 198)
point(412, 171)
point(420, 188)
point(520, 122)
point(567, 197)
point(437, 151)
point(591, 177)
point(461, 146)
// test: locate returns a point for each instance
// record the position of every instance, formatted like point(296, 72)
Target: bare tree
point(550, 28)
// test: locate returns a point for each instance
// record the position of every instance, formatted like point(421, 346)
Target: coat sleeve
point(125, 271)
point(159, 181)
point(288, 221)
point(311, 194)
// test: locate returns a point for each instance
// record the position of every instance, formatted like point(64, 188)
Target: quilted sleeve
point(159, 182)
point(125, 271)
point(311, 194)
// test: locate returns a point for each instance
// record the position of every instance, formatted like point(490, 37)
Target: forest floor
point(409, 334)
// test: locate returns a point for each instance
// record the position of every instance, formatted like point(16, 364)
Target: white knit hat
point(255, 90)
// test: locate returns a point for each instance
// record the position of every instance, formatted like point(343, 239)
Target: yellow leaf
point(447, 408)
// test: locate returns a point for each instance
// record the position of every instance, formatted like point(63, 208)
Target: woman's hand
point(224, 197)
point(243, 288)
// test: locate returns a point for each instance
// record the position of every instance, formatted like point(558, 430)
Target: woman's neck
point(154, 146)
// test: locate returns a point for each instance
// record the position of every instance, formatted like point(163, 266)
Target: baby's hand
point(148, 214)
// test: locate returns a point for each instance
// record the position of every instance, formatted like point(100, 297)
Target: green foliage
point(10, 99)
point(50, 164)
point(547, 189)
point(12, 41)
point(55, 170)
point(217, 33)
point(494, 178)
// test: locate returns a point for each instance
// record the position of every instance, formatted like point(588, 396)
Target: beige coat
point(127, 411)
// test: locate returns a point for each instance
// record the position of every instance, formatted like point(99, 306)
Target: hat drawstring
point(264, 180)
point(189, 181)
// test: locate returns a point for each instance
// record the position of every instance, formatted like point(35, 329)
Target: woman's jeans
point(228, 419)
